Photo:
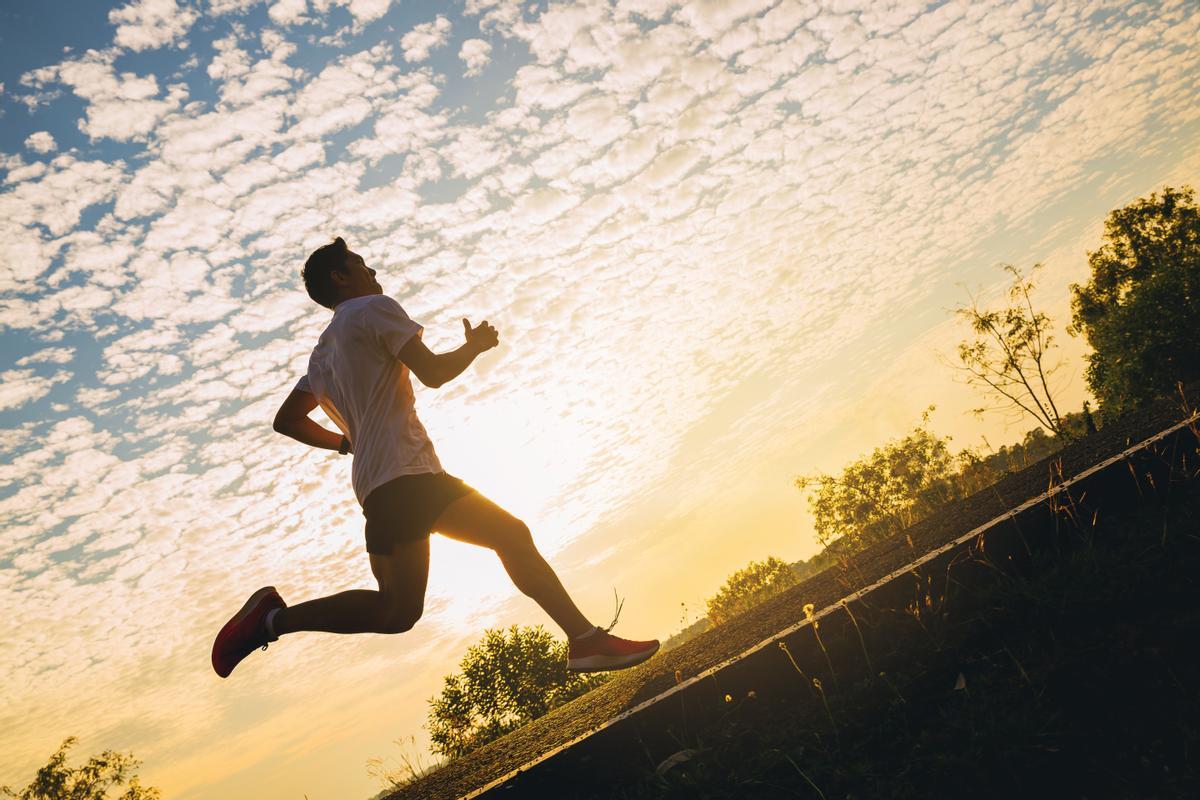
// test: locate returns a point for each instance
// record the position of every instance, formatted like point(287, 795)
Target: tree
point(748, 587)
point(1141, 308)
point(882, 494)
point(1007, 358)
point(57, 781)
point(507, 679)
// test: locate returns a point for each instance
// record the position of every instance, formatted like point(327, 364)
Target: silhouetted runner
point(359, 374)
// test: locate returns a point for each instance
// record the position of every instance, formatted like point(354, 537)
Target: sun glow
point(718, 241)
point(521, 450)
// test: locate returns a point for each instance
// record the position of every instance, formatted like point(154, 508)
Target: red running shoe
point(246, 631)
point(602, 651)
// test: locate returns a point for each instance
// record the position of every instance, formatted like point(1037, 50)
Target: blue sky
point(721, 240)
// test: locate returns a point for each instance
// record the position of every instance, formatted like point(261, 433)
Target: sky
point(722, 242)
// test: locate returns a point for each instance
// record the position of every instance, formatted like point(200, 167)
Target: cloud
point(475, 53)
point(363, 11)
point(21, 386)
point(121, 106)
point(219, 7)
point(149, 24)
point(41, 142)
point(546, 88)
point(55, 202)
point(51, 355)
point(243, 82)
point(346, 92)
point(423, 38)
point(711, 18)
point(17, 170)
point(406, 124)
point(288, 12)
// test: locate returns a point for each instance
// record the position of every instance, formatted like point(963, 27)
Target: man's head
point(333, 274)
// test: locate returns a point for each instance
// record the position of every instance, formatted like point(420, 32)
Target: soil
point(627, 689)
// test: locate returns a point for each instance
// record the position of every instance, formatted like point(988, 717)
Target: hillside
point(819, 592)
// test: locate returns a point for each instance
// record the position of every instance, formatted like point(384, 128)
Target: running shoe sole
point(603, 663)
point(228, 628)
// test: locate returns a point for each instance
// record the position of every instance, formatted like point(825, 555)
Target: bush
point(57, 781)
point(508, 679)
point(748, 587)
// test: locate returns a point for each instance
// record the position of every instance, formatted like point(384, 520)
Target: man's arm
point(434, 369)
point(292, 420)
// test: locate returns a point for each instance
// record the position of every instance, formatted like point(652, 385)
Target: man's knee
point(400, 616)
point(518, 539)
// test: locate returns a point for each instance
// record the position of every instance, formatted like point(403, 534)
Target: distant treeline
point(974, 472)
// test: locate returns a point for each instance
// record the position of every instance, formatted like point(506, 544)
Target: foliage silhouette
point(1140, 310)
point(1008, 357)
point(883, 493)
point(58, 781)
point(507, 679)
point(750, 586)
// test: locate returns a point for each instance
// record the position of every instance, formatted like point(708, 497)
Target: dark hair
point(323, 261)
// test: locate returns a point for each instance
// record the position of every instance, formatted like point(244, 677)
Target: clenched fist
point(484, 337)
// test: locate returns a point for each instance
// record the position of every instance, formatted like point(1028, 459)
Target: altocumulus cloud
point(662, 197)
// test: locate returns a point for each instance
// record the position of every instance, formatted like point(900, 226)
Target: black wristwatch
point(345, 446)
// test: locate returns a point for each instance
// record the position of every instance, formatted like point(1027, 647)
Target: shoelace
point(620, 603)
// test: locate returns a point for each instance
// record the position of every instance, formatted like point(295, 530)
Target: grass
point(412, 766)
point(1076, 677)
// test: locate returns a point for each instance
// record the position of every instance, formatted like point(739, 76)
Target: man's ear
point(340, 277)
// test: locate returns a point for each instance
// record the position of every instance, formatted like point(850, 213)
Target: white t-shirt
point(366, 390)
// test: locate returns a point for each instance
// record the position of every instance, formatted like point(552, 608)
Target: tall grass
point(1076, 675)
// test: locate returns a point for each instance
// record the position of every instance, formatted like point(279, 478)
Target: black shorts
point(405, 508)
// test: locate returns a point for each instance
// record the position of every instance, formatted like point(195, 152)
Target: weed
point(846, 607)
point(804, 775)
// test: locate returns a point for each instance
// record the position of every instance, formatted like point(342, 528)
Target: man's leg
point(476, 520)
point(402, 576)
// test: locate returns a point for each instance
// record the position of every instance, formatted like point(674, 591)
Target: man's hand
point(292, 420)
point(483, 337)
point(435, 370)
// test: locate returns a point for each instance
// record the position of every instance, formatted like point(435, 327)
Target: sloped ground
point(479, 770)
point(1072, 673)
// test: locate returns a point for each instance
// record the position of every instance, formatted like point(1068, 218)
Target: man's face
point(357, 279)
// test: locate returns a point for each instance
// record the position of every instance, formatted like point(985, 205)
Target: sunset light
point(722, 243)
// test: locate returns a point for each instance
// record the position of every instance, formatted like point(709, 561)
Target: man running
point(359, 374)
